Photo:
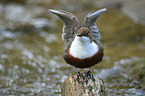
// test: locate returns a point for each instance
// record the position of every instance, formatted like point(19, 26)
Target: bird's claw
point(88, 76)
point(79, 77)
point(84, 78)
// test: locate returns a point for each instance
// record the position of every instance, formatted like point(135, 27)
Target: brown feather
point(84, 63)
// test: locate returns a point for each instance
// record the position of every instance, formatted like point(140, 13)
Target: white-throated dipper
point(83, 47)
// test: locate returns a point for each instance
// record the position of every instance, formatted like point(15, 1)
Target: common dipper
point(83, 47)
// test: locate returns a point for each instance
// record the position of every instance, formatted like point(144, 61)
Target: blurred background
point(31, 46)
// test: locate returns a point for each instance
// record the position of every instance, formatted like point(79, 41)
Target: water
point(31, 60)
point(27, 68)
point(118, 82)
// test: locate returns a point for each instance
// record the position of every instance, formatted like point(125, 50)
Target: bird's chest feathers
point(82, 48)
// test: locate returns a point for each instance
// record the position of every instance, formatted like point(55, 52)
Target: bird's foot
point(88, 76)
point(79, 77)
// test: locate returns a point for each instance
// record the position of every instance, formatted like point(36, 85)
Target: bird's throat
point(81, 48)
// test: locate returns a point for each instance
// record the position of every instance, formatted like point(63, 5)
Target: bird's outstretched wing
point(71, 24)
point(89, 22)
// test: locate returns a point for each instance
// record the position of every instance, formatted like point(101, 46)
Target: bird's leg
point(79, 76)
point(89, 75)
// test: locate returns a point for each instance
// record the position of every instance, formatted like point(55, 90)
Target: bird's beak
point(79, 35)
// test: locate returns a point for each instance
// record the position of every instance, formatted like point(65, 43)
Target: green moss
point(136, 69)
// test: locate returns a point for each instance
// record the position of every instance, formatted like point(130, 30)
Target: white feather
point(82, 47)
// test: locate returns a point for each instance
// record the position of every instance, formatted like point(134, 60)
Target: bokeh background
point(31, 46)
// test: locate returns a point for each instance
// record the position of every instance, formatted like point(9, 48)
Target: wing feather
point(89, 22)
point(70, 26)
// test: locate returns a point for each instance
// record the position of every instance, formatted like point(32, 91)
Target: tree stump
point(90, 87)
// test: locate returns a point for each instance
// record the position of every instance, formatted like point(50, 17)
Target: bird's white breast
point(82, 47)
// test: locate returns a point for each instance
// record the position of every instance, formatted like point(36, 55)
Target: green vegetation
point(137, 70)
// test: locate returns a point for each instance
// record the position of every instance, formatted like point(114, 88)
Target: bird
point(83, 48)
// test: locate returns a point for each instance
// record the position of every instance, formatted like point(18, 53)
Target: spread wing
point(89, 22)
point(71, 24)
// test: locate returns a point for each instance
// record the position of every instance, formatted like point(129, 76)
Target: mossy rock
point(71, 87)
point(137, 70)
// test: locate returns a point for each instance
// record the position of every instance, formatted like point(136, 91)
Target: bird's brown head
point(83, 31)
